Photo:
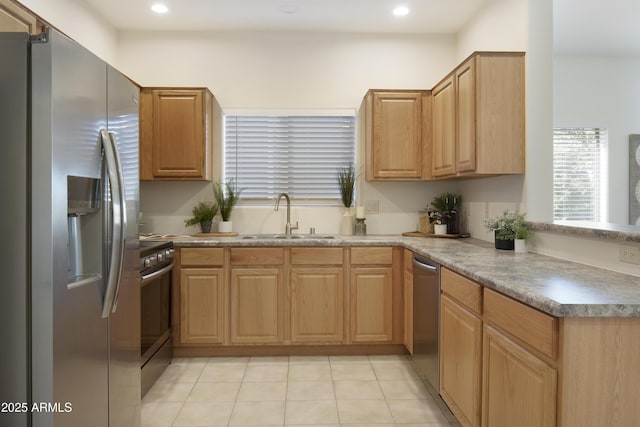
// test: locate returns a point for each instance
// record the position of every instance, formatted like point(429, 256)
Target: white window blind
point(577, 169)
point(298, 155)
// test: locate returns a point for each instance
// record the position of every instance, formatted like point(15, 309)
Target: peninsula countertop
point(555, 286)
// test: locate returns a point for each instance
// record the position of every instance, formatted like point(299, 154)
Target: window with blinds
point(577, 172)
point(298, 155)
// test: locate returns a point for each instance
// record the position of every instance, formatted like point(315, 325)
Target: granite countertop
point(555, 286)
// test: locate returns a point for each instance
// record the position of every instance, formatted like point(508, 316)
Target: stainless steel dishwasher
point(426, 319)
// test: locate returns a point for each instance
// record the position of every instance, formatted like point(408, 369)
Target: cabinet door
point(466, 118)
point(397, 135)
point(371, 304)
point(444, 128)
point(175, 133)
point(519, 389)
point(256, 305)
point(201, 305)
point(317, 308)
point(460, 361)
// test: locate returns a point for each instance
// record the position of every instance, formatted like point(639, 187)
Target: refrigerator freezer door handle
point(119, 225)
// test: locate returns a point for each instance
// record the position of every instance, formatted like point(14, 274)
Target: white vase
point(225, 227)
point(440, 229)
point(346, 223)
point(520, 246)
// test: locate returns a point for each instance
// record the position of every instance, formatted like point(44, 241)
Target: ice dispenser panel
point(84, 230)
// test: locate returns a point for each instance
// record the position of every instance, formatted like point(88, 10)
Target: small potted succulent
point(506, 227)
point(203, 213)
point(226, 198)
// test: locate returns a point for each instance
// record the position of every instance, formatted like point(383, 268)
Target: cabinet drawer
point(316, 256)
point(371, 255)
point(257, 256)
point(408, 260)
point(201, 256)
point(537, 329)
point(465, 291)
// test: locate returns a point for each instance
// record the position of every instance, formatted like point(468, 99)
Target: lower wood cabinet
point(519, 388)
point(242, 296)
point(460, 361)
point(201, 306)
point(257, 306)
point(317, 307)
point(371, 304)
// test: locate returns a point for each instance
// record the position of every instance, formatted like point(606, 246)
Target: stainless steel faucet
point(288, 227)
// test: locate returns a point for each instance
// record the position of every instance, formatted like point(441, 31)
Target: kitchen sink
point(286, 237)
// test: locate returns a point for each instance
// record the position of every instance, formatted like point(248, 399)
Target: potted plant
point(520, 241)
point(226, 197)
point(444, 211)
point(203, 213)
point(437, 218)
point(346, 184)
point(504, 228)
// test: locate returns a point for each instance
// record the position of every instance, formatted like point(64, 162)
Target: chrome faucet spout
point(288, 226)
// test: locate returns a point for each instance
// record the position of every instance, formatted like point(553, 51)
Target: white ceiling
point(364, 16)
point(604, 27)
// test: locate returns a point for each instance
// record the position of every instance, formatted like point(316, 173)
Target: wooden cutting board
point(444, 236)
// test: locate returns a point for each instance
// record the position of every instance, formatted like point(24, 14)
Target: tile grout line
point(386, 402)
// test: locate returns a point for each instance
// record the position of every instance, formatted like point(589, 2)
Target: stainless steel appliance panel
point(69, 333)
point(124, 323)
point(70, 336)
point(14, 190)
point(62, 208)
point(426, 314)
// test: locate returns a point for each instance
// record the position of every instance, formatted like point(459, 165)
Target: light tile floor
point(292, 391)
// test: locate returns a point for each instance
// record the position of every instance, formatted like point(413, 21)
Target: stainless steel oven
point(156, 264)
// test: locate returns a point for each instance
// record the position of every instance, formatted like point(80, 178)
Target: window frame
point(300, 201)
point(602, 141)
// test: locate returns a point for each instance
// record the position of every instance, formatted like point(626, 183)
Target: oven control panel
point(158, 257)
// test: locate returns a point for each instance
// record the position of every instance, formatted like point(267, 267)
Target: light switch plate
point(372, 207)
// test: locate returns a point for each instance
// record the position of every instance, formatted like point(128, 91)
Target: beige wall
point(288, 71)
point(81, 24)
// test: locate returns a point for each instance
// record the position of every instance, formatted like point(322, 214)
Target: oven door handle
point(151, 276)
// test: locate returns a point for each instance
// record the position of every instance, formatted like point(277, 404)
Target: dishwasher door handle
point(421, 264)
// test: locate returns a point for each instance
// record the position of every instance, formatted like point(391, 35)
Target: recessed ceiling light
point(160, 8)
point(401, 11)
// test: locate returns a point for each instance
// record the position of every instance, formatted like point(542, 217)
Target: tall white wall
point(500, 26)
point(80, 23)
point(581, 99)
point(289, 71)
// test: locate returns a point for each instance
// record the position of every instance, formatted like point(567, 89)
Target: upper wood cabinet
point(177, 133)
point(444, 129)
point(15, 18)
point(393, 134)
point(479, 117)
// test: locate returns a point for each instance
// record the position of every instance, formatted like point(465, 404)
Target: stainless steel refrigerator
point(69, 272)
